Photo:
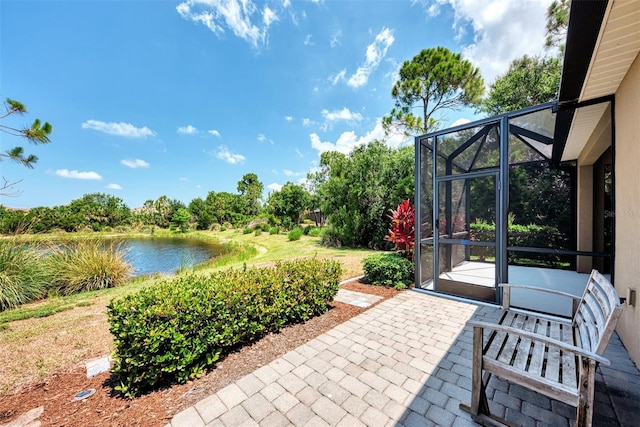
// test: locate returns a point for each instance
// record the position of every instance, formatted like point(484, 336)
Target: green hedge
point(174, 330)
point(388, 269)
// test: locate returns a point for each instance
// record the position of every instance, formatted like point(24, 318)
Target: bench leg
point(479, 404)
point(584, 411)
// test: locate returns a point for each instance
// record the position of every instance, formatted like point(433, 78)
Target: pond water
point(166, 255)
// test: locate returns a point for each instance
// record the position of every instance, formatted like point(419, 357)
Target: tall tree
point(435, 79)
point(529, 81)
point(289, 203)
point(250, 188)
point(38, 133)
point(361, 189)
point(557, 22)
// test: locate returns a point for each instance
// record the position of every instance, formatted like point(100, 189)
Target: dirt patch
point(106, 408)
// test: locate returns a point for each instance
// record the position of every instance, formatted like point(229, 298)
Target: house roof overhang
point(603, 40)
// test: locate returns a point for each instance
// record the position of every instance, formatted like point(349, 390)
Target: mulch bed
point(107, 408)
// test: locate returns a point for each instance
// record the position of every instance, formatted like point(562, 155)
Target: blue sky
point(179, 98)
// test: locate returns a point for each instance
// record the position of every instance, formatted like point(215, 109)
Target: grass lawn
point(60, 332)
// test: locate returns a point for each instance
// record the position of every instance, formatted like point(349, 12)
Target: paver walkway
point(406, 361)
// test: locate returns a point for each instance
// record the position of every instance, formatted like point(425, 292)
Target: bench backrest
point(597, 314)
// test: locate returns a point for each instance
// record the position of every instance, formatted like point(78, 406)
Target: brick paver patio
point(405, 362)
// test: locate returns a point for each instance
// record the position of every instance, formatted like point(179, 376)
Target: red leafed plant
point(402, 229)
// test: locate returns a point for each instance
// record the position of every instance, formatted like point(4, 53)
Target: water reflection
point(160, 255)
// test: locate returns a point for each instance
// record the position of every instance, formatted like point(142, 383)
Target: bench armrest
point(541, 338)
point(506, 295)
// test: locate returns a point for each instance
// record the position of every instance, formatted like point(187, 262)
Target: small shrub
point(387, 269)
point(315, 232)
point(295, 234)
point(227, 225)
point(247, 230)
point(274, 230)
point(174, 330)
point(23, 277)
point(258, 231)
point(331, 238)
point(306, 230)
point(223, 228)
point(87, 265)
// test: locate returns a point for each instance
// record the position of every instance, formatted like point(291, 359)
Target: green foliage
point(289, 203)
point(529, 81)
point(250, 189)
point(434, 79)
point(557, 23)
point(388, 269)
point(295, 234)
point(360, 189)
point(87, 265)
point(258, 231)
point(274, 230)
point(181, 218)
point(172, 331)
point(247, 230)
point(23, 277)
point(37, 133)
point(315, 232)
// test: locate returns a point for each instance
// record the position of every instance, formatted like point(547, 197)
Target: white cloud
point(338, 77)
point(214, 133)
point(374, 54)
point(288, 172)
point(347, 141)
point(502, 31)
point(135, 163)
point(262, 137)
point(269, 16)
point(74, 174)
point(460, 121)
point(286, 3)
point(307, 40)
point(113, 186)
point(274, 186)
point(187, 130)
point(234, 15)
point(299, 153)
point(223, 153)
point(119, 129)
point(335, 39)
point(345, 114)
point(307, 122)
point(182, 178)
point(288, 118)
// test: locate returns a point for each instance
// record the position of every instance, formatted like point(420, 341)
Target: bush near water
point(173, 331)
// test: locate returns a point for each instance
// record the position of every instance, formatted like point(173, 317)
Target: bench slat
point(494, 343)
point(525, 345)
point(511, 343)
point(552, 371)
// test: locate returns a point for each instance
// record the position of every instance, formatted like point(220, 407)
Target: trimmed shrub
point(174, 330)
point(247, 230)
point(388, 269)
point(87, 265)
point(295, 234)
point(274, 230)
point(23, 277)
point(258, 231)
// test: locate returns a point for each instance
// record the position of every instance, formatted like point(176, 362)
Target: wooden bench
point(553, 356)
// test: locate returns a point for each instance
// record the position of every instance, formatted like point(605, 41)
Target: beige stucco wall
point(627, 182)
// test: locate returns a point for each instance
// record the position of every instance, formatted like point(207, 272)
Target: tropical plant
point(402, 229)
point(23, 276)
point(87, 265)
